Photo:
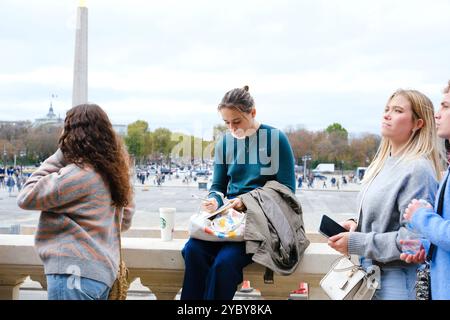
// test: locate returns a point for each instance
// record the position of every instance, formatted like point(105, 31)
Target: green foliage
point(136, 139)
point(162, 139)
point(162, 143)
point(337, 129)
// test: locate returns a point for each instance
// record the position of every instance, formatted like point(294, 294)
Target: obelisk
point(80, 70)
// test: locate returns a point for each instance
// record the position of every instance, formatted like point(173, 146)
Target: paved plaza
point(339, 204)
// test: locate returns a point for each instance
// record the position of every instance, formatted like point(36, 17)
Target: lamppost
point(305, 158)
point(342, 167)
point(22, 154)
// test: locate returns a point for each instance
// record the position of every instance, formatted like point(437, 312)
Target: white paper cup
point(167, 223)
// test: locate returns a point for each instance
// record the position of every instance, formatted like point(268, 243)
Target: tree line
point(27, 144)
point(32, 145)
point(333, 145)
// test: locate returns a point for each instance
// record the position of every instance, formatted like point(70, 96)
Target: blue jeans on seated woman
point(71, 287)
point(396, 283)
point(213, 269)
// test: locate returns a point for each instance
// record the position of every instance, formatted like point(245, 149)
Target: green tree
point(338, 140)
point(148, 144)
point(162, 141)
point(136, 138)
point(337, 129)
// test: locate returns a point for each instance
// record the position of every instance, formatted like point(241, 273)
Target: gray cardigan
point(380, 225)
point(274, 231)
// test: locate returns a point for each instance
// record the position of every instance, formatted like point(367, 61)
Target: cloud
point(309, 62)
point(347, 78)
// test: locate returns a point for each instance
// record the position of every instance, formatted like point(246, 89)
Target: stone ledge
point(149, 253)
point(160, 267)
point(178, 233)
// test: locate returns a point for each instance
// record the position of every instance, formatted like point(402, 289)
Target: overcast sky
point(307, 63)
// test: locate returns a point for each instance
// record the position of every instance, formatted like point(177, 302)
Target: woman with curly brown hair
point(81, 190)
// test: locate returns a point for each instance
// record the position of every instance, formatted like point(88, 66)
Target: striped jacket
point(78, 230)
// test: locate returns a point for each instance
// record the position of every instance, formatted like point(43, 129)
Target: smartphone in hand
point(329, 227)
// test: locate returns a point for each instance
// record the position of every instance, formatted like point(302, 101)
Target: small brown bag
point(120, 286)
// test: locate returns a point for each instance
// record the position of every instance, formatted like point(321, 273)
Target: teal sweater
point(242, 165)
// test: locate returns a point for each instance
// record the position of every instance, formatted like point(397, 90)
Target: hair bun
point(246, 88)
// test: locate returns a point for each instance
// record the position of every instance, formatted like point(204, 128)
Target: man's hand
point(413, 206)
point(339, 242)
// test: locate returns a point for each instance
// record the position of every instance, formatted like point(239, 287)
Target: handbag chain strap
point(120, 234)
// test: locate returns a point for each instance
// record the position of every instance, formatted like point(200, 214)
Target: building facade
point(50, 119)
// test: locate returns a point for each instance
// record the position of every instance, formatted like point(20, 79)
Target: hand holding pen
point(208, 204)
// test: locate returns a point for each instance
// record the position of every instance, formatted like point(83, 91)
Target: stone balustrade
point(156, 233)
point(160, 266)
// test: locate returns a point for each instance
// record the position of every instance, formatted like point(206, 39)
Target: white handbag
point(348, 281)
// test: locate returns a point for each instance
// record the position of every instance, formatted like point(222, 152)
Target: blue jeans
point(397, 283)
point(71, 287)
point(213, 269)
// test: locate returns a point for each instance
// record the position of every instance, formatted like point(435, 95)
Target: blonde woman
point(407, 165)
